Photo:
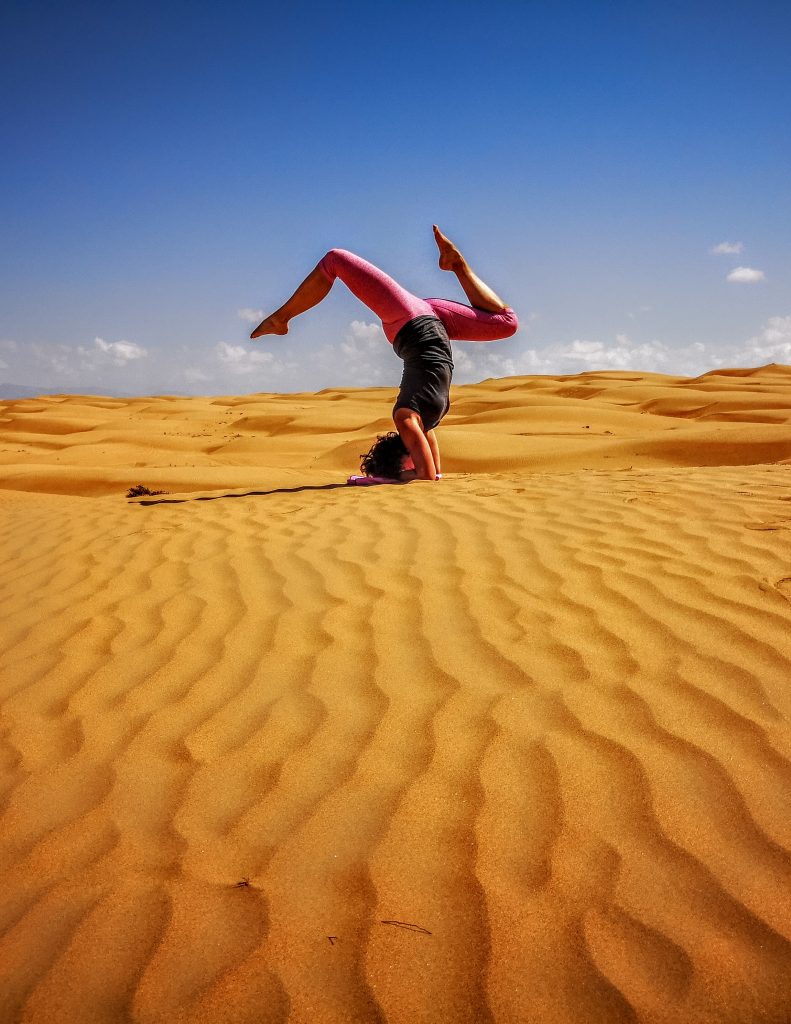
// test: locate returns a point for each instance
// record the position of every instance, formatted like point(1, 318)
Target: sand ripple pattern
point(511, 749)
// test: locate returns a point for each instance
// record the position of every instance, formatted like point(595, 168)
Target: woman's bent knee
point(510, 322)
point(331, 260)
point(327, 263)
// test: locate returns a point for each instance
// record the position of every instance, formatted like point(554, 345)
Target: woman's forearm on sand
point(433, 444)
point(416, 443)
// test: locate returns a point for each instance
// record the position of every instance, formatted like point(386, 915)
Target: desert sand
point(512, 747)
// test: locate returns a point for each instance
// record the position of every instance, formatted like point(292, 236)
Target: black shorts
point(424, 346)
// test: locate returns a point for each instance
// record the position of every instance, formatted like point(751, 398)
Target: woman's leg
point(488, 318)
point(478, 292)
point(310, 293)
point(433, 444)
point(464, 323)
point(386, 298)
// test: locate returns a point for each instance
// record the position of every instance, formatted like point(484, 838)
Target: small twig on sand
point(410, 927)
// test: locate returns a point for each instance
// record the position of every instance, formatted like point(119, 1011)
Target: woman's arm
point(434, 446)
point(409, 427)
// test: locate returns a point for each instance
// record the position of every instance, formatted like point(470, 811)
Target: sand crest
point(514, 747)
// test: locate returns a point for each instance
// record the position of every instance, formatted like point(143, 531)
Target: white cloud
point(232, 353)
point(772, 345)
point(360, 329)
point(121, 352)
point(726, 248)
point(745, 275)
point(3, 364)
point(364, 358)
point(250, 316)
point(624, 355)
point(476, 362)
point(57, 360)
point(240, 360)
point(194, 375)
point(8, 345)
point(362, 339)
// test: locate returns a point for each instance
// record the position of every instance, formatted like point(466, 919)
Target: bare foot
point(272, 325)
point(449, 255)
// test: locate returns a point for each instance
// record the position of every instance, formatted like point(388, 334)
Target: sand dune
point(513, 747)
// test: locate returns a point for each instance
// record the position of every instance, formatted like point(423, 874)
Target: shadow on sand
point(245, 494)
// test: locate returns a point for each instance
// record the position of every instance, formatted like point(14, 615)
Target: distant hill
point(24, 391)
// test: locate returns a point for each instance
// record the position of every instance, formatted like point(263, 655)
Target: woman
point(420, 331)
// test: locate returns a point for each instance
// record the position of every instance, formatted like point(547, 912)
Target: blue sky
point(165, 169)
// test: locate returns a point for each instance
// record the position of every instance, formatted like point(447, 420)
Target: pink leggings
point(395, 306)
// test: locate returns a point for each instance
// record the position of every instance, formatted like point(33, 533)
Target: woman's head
point(385, 457)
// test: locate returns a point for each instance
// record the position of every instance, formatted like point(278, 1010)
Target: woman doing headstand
point(420, 331)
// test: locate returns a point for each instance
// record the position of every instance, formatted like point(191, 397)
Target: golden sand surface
point(512, 747)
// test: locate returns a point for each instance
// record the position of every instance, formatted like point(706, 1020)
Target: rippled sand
point(513, 747)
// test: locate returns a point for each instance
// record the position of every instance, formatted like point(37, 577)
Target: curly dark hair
point(384, 457)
